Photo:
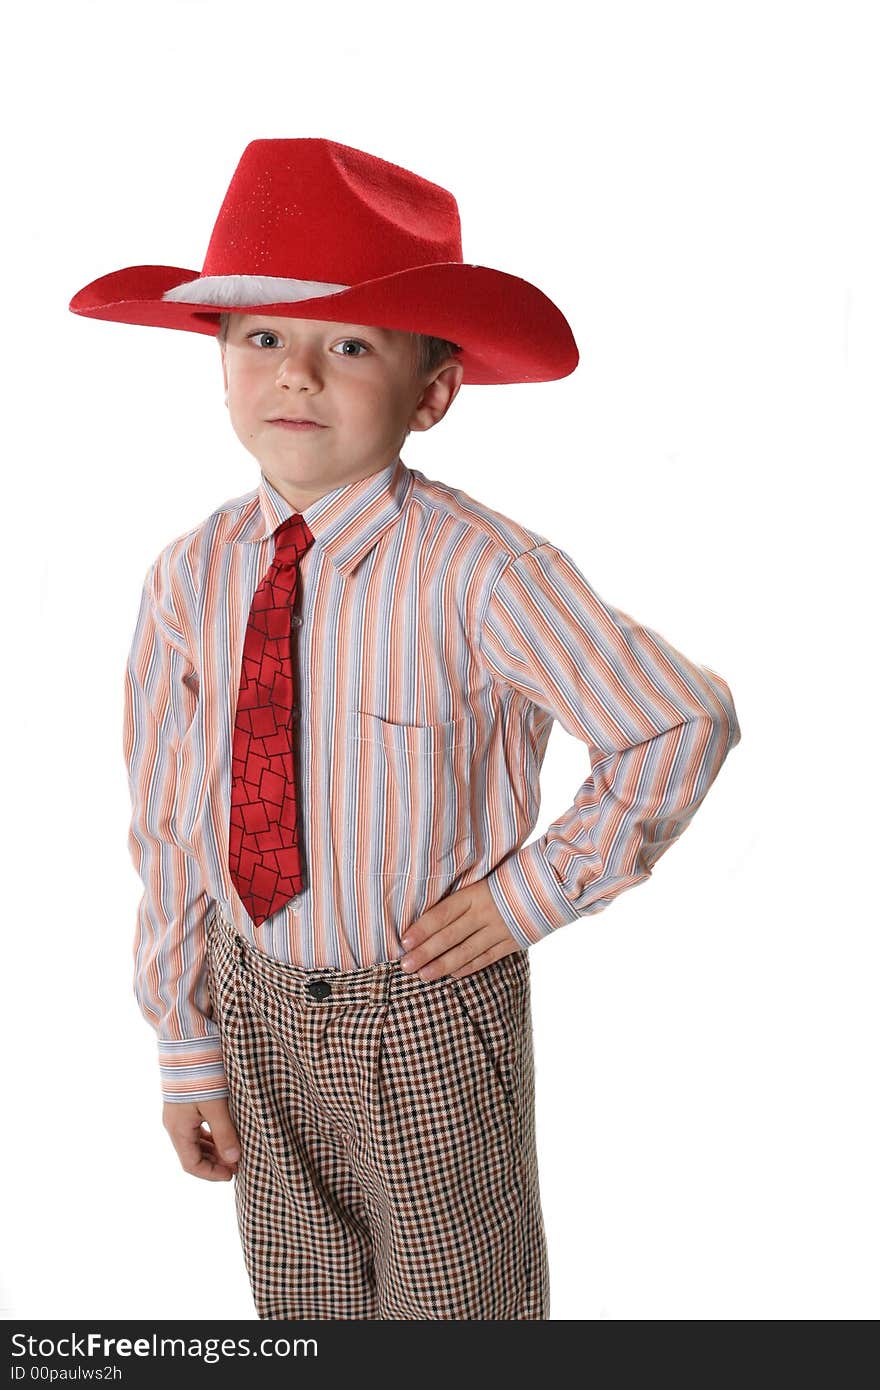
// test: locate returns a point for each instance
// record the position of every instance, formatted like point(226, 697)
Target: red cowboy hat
point(369, 243)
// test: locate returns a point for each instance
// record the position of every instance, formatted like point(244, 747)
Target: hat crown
point(323, 211)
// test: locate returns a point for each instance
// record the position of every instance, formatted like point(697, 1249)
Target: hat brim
point(508, 329)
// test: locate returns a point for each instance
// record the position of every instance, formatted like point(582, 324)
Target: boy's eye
point(356, 342)
point(269, 333)
point(261, 333)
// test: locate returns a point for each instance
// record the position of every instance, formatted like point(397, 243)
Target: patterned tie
point(264, 855)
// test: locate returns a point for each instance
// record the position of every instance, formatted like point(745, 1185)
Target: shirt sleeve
point(170, 975)
point(658, 728)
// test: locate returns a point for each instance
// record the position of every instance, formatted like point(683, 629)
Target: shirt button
point(295, 902)
point(295, 620)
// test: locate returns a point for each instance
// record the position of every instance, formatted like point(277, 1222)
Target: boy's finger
point(441, 940)
point(210, 1154)
point(212, 1172)
point(200, 1159)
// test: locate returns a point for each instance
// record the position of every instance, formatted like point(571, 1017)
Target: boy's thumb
point(223, 1131)
point(227, 1143)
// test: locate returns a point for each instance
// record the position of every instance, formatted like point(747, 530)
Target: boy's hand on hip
point(458, 936)
point(213, 1156)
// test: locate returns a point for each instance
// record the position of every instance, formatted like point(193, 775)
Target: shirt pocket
point(412, 809)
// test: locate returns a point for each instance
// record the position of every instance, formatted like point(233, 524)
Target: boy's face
point(358, 382)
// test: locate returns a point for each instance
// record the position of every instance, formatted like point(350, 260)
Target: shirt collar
point(346, 522)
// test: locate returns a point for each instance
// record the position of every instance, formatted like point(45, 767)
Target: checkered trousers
point(388, 1165)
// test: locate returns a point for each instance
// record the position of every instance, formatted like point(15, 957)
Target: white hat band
point(242, 290)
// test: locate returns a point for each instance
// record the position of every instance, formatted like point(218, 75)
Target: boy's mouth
point(297, 424)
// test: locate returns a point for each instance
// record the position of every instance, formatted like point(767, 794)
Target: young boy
point(337, 703)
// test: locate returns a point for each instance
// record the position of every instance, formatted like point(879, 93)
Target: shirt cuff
point(528, 894)
point(192, 1069)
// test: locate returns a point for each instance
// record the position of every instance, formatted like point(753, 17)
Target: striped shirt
point(434, 642)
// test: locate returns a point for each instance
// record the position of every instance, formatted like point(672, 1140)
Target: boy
point(337, 702)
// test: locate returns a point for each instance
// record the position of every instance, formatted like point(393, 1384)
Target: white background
point(695, 185)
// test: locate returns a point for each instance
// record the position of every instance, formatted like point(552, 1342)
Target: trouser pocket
point(493, 1005)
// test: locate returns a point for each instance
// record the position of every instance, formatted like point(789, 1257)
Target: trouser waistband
point(369, 984)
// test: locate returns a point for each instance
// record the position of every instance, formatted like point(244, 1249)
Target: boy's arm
point(170, 981)
point(657, 725)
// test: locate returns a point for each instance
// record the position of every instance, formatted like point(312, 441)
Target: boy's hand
point(458, 935)
point(213, 1155)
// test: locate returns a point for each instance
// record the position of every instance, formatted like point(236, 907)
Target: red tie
point(263, 836)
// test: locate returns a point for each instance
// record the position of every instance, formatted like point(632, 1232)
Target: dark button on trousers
point(388, 1165)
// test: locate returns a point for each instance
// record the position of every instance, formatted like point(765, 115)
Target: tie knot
point(292, 539)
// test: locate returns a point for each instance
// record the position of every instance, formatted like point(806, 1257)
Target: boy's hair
point(430, 352)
